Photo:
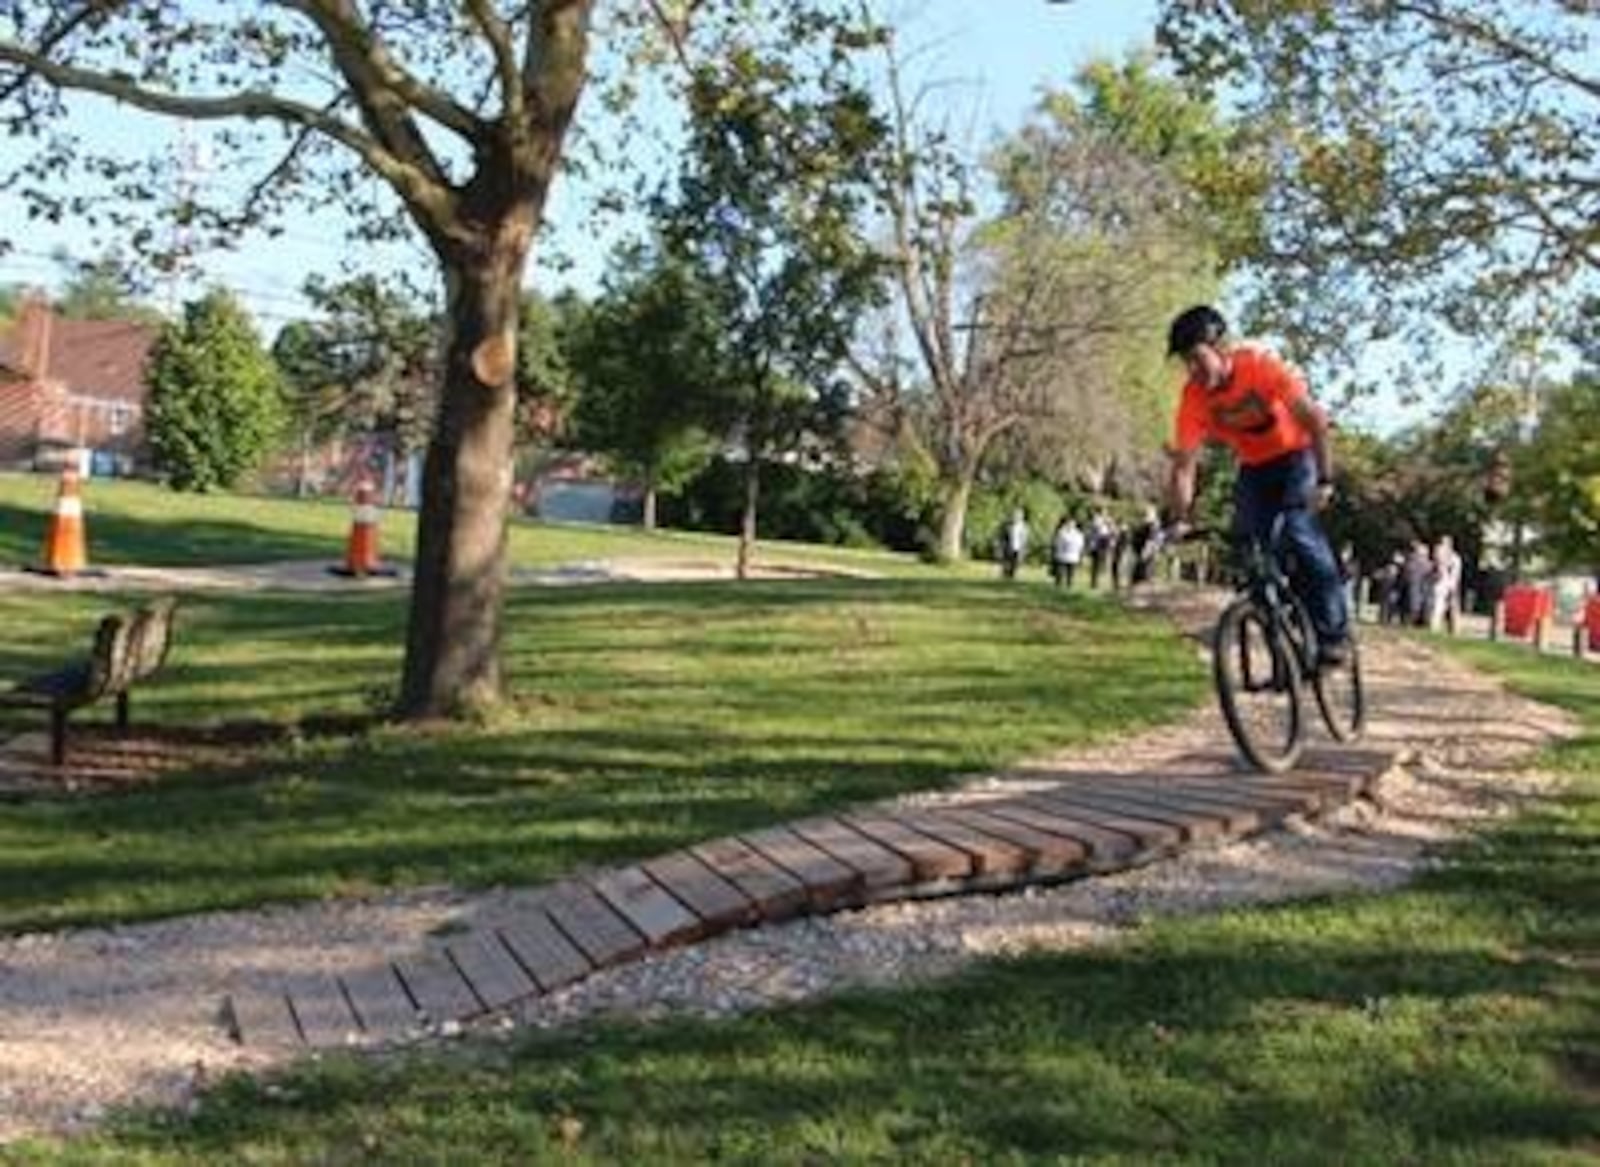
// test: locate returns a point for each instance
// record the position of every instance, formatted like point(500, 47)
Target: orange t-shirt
point(1250, 413)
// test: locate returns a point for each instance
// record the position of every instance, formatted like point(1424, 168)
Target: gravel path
point(101, 1017)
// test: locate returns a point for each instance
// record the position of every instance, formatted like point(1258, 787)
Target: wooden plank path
point(1082, 824)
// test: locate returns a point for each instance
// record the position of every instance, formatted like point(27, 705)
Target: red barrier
point(1525, 607)
point(1591, 622)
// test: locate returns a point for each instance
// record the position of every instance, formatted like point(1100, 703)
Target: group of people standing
point(1422, 586)
point(1102, 543)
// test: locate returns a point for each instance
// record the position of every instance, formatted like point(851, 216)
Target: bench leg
point(122, 713)
point(58, 737)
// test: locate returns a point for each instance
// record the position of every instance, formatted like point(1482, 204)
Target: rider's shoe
point(1333, 654)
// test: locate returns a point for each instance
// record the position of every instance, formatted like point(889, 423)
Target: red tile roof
point(92, 358)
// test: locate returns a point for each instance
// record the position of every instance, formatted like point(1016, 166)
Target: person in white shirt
point(1445, 595)
point(1066, 551)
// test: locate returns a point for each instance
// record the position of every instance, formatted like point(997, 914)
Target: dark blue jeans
point(1289, 484)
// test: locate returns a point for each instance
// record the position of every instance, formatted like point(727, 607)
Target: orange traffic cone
point(66, 551)
point(361, 550)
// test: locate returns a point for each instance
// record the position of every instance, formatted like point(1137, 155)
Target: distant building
point(73, 384)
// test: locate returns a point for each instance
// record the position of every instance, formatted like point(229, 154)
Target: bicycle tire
point(1348, 721)
point(1231, 661)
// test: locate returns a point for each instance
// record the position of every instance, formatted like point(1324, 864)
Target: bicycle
point(1264, 655)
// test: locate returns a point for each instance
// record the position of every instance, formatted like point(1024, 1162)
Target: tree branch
point(498, 34)
point(419, 192)
point(1484, 34)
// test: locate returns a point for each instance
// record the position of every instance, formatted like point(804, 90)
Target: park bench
point(128, 649)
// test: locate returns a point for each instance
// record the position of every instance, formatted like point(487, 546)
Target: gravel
point(95, 1019)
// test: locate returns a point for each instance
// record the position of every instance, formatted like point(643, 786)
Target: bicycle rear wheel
point(1342, 697)
point(1258, 685)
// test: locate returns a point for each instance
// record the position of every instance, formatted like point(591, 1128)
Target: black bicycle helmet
point(1201, 324)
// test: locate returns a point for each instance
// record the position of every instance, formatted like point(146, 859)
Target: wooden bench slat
point(322, 1012)
point(989, 855)
point(544, 951)
point(718, 903)
point(930, 859)
point(600, 933)
point(380, 1002)
point(261, 1018)
point(827, 881)
point(437, 988)
point(1049, 854)
point(653, 912)
point(493, 975)
point(878, 866)
point(776, 893)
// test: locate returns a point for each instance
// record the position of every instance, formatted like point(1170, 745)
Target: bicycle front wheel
point(1342, 698)
point(1258, 685)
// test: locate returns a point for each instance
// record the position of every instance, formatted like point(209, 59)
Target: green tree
point(216, 404)
point(102, 289)
point(646, 363)
point(1559, 472)
point(777, 177)
point(458, 113)
point(313, 398)
point(1037, 329)
point(1434, 158)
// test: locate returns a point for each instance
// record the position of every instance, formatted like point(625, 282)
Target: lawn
point(1456, 1022)
point(645, 717)
point(139, 523)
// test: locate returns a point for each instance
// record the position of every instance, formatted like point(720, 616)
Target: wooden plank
point(930, 859)
point(1194, 825)
point(1107, 848)
point(322, 1012)
point(878, 866)
point(1238, 817)
point(437, 988)
point(827, 881)
point(1049, 854)
point(592, 924)
point(989, 854)
point(1271, 803)
point(260, 1018)
point(544, 952)
point(776, 893)
point(494, 976)
point(1148, 832)
point(718, 903)
point(380, 1002)
point(654, 913)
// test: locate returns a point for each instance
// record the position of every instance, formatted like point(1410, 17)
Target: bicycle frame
point(1266, 581)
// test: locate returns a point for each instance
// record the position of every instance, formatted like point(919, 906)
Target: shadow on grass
point(182, 541)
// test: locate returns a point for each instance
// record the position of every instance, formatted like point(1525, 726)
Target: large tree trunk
point(953, 520)
point(747, 522)
point(453, 644)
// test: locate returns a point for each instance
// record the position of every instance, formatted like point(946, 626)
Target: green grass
point(1457, 1022)
point(138, 523)
point(645, 717)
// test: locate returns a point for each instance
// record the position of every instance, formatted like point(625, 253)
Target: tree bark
point(953, 520)
point(452, 661)
point(649, 516)
point(747, 522)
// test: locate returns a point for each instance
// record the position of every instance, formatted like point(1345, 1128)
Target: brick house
point(72, 383)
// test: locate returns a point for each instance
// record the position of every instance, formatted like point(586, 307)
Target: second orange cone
point(66, 549)
point(361, 550)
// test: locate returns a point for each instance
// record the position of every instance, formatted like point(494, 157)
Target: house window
point(121, 415)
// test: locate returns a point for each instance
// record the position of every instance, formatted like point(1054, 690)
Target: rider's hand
point(1323, 498)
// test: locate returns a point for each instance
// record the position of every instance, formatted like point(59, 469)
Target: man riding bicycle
point(1250, 400)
